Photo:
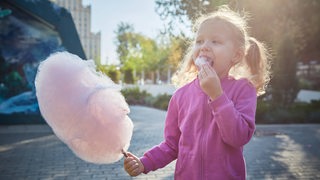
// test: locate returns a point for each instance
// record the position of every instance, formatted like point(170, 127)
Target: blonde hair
point(254, 65)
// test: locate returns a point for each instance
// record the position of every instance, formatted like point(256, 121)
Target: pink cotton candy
point(200, 61)
point(84, 108)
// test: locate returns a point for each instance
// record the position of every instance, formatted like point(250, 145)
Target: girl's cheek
point(195, 53)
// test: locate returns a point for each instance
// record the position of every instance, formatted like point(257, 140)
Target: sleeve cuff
point(146, 163)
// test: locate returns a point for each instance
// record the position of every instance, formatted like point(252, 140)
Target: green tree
point(284, 82)
point(137, 53)
point(126, 43)
point(141, 56)
point(124, 38)
point(177, 47)
point(188, 10)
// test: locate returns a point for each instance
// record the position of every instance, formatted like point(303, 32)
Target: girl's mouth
point(201, 60)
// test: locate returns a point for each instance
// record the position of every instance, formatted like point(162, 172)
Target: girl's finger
point(135, 172)
point(133, 166)
point(203, 70)
point(130, 155)
point(128, 160)
point(207, 68)
point(200, 75)
point(128, 163)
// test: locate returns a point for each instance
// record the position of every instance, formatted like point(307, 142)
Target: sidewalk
point(275, 152)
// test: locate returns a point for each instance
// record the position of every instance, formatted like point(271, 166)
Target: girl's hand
point(133, 165)
point(209, 81)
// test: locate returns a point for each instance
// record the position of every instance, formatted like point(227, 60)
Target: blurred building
point(311, 68)
point(309, 74)
point(91, 42)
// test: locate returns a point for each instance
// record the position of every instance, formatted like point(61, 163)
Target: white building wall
point(91, 42)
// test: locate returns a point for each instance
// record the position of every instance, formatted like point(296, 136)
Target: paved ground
point(275, 152)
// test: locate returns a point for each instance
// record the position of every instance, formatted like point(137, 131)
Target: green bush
point(297, 112)
point(162, 101)
point(134, 96)
point(128, 76)
point(110, 71)
point(114, 75)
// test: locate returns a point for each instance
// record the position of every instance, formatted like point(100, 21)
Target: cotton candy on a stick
point(84, 108)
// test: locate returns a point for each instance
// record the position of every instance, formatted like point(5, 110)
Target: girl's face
point(215, 41)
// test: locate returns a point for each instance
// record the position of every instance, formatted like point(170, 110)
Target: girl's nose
point(205, 46)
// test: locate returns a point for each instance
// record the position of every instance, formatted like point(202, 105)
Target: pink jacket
point(206, 137)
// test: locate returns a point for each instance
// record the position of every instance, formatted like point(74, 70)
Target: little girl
point(212, 116)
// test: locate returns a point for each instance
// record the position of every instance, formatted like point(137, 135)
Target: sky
point(106, 15)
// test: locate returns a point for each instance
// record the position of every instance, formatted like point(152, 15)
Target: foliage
point(114, 74)
point(124, 36)
point(184, 11)
point(143, 55)
point(284, 82)
point(176, 50)
point(128, 76)
point(294, 113)
point(134, 96)
point(111, 71)
point(136, 52)
point(162, 101)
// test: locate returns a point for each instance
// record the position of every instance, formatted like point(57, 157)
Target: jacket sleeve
point(167, 151)
point(236, 120)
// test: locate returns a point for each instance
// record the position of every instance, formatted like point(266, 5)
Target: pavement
point(33, 152)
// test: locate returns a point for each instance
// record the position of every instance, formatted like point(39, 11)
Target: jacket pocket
point(183, 164)
point(233, 167)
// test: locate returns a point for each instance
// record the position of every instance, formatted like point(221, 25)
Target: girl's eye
point(199, 41)
point(214, 41)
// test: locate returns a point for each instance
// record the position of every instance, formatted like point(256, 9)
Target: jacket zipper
point(203, 132)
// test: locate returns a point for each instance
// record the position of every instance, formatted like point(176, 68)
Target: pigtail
point(257, 61)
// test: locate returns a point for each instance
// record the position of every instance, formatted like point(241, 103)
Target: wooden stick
point(124, 153)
